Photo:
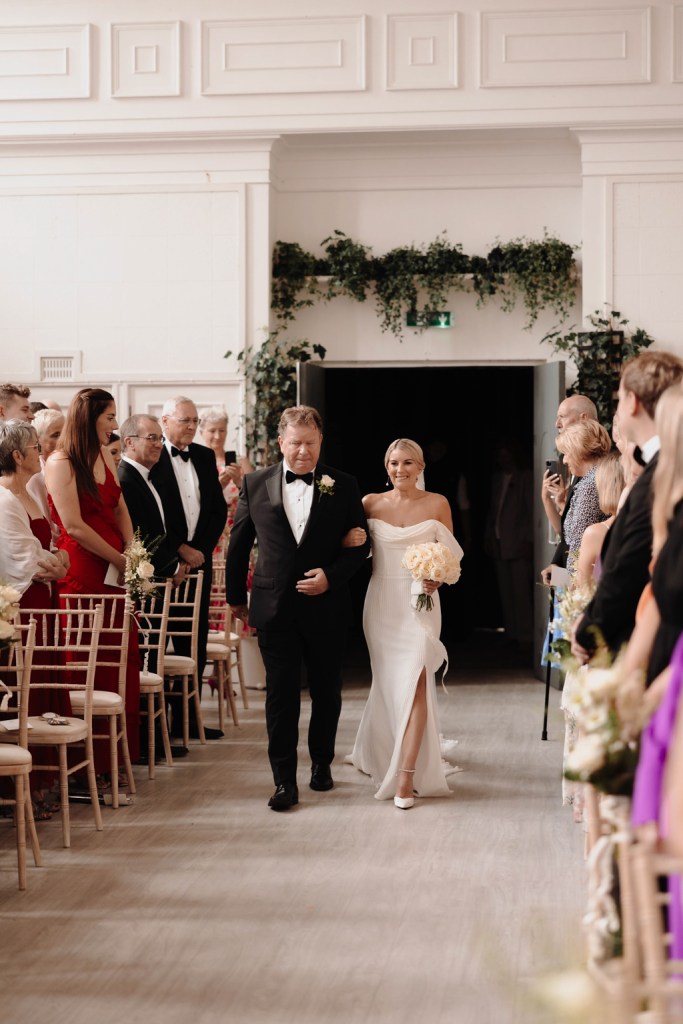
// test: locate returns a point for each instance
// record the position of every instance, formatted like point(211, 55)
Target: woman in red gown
point(26, 561)
point(95, 527)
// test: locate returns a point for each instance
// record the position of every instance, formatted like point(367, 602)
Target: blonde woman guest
point(49, 425)
point(609, 481)
point(213, 430)
point(398, 741)
point(583, 445)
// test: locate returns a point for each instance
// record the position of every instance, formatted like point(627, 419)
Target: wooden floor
point(197, 904)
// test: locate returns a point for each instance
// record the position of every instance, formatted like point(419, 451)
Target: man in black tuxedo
point(299, 512)
point(627, 548)
point(195, 511)
point(142, 442)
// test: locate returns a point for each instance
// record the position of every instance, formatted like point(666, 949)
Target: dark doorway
point(459, 415)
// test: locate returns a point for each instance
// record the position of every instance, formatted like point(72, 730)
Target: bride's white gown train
point(401, 641)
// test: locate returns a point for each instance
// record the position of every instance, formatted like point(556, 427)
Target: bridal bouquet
point(9, 606)
point(570, 607)
point(139, 569)
point(606, 751)
point(430, 561)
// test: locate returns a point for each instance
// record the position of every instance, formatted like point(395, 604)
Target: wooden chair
point(184, 622)
point(661, 975)
point(112, 654)
point(224, 651)
point(15, 757)
point(152, 619)
point(68, 652)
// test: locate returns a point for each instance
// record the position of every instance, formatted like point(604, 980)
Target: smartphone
point(230, 458)
point(553, 467)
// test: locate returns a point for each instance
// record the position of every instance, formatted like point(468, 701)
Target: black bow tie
point(638, 456)
point(306, 477)
point(176, 451)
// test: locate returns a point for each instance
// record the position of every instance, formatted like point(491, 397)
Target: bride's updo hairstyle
point(79, 440)
point(406, 445)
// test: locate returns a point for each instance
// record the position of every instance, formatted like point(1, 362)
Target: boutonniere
point(326, 484)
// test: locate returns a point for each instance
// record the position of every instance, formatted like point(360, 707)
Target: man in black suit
point(299, 513)
point(142, 442)
point(627, 548)
point(195, 511)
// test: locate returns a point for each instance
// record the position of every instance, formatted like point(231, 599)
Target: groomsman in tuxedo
point(195, 511)
point(627, 548)
point(299, 512)
point(143, 442)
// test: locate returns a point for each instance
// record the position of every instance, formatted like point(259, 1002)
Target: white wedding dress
point(401, 642)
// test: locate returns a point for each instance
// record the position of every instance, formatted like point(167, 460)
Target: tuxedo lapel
point(274, 488)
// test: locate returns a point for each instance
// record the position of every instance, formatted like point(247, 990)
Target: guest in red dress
point(26, 561)
point(95, 527)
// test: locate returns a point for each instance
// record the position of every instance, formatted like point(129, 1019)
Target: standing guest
point(195, 513)
point(609, 481)
point(37, 407)
point(14, 402)
point(143, 443)
point(299, 512)
point(26, 560)
point(49, 425)
point(213, 429)
point(114, 448)
point(626, 553)
point(583, 445)
point(95, 527)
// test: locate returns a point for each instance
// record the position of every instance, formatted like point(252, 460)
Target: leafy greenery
point(270, 374)
point(540, 273)
point(599, 355)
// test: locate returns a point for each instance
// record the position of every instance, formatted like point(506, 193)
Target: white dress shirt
point(188, 485)
point(650, 448)
point(144, 473)
point(297, 499)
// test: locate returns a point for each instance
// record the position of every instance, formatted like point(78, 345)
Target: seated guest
point(583, 445)
point(14, 402)
point(610, 616)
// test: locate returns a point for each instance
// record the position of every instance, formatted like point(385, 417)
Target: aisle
point(199, 905)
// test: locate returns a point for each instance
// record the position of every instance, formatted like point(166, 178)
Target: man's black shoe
point(211, 734)
point(285, 796)
point(321, 778)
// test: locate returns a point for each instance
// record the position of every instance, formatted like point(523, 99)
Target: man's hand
point(315, 582)
point(241, 612)
point(545, 575)
point(194, 558)
point(180, 574)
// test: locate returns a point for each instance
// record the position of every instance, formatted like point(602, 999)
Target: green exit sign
point(428, 318)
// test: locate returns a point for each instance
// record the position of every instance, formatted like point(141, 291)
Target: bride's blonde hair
point(406, 445)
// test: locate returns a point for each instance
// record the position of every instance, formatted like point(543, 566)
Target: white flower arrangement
point(9, 606)
point(139, 570)
point(430, 561)
point(326, 484)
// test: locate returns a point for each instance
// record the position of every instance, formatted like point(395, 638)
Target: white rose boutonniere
point(326, 484)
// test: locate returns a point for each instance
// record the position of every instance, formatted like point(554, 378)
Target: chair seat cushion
point(216, 634)
point(11, 754)
point(42, 734)
point(216, 651)
point(104, 702)
point(150, 682)
point(178, 664)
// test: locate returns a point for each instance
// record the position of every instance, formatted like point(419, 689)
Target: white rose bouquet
point(139, 572)
point(605, 753)
point(430, 561)
point(570, 607)
point(9, 606)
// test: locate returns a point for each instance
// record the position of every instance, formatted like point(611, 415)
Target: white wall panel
point(145, 60)
point(422, 51)
point(290, 55)
point(44, 62)
point(565, 48)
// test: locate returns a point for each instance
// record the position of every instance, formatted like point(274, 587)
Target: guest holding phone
point(213, 430)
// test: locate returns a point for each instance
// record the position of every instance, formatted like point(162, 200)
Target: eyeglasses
point(152, 438)
point(38, 446)
point(186, 419)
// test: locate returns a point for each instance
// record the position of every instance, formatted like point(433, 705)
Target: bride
point(398, 741)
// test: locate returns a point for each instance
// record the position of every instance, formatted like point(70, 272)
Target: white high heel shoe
point(404, 802)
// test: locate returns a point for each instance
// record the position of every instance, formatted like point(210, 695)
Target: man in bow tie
point(195, 512)
point(299, 512)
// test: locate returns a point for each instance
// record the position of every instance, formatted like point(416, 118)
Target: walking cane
point(548, 667)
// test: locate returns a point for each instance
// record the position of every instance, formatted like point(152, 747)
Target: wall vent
point(55, 369)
